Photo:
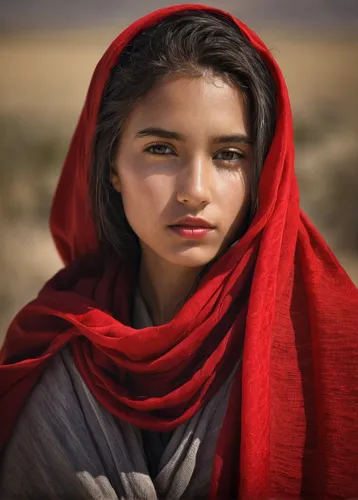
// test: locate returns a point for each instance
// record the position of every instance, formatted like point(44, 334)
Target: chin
point(192, 258)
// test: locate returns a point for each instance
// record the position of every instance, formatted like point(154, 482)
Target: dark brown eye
point(159, 149)
point(229, 155)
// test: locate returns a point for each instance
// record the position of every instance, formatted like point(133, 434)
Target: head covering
point(291, 427)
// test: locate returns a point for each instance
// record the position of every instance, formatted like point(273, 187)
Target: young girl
point(201, 341)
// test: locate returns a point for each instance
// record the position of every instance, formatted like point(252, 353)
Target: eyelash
point(150, 148)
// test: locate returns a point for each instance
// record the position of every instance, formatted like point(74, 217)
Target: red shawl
point(291, 427)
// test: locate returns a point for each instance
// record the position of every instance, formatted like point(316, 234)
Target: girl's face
point(185, 153)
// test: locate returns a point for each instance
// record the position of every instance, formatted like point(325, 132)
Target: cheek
point(144, 197)
point(233, 194)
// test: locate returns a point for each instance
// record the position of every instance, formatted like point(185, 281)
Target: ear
point(115, 180)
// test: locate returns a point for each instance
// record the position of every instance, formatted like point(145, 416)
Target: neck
point(164, 287)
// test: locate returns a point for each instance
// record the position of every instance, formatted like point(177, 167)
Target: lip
point(191, 232)
point(192, 222)
point(192, 228)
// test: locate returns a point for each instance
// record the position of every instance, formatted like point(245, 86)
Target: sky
point(325, 14)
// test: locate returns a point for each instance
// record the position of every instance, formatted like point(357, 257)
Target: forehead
point(183, 103)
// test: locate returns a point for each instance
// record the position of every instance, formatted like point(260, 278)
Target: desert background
point(48, 51)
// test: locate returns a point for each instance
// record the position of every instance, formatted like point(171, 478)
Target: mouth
point(192, 228)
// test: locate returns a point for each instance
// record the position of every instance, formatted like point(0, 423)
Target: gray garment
point(154, 443)
point(65, 445)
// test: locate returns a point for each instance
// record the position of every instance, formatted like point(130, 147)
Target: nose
point(194, 184)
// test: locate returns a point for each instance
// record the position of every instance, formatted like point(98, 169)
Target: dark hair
point(189, 42)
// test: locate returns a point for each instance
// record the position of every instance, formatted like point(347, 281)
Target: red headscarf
point(291, 426)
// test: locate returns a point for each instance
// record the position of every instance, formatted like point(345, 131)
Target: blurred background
point(48, 51)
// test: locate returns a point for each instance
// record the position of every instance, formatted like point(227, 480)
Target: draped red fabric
point(278, 296)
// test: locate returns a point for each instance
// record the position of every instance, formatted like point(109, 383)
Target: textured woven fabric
point(291, 429)
point(154, 442)
point(67, 446)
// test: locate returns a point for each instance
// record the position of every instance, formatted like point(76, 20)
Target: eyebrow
point(232, 138)
point(168, 134)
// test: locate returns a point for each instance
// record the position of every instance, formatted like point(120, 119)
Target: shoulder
point(51, 439)
point(52, 406)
